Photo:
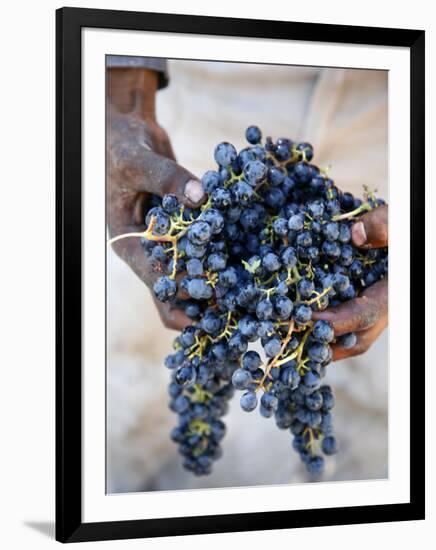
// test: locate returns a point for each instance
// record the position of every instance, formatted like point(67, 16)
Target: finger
point(160, 175)
point(138, 169)
point(371, 231)
point(173, 318)
point(358, 314)
point(168, 151)
point(162, 144)
point(365, 339)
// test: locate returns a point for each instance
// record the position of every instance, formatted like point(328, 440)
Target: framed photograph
point(239, 331)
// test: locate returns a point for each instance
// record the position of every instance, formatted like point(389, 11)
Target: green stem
point(318, 296)
point(365, 207)
point(125, 236)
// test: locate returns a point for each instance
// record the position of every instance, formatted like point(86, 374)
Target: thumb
point(371, 231)
point(150, 172)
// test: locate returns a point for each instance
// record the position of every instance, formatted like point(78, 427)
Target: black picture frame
point(69, 23)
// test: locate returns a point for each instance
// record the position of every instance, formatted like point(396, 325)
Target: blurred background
point(344, 114)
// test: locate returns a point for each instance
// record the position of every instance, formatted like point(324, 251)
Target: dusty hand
point(366, 315)
point(140, 162)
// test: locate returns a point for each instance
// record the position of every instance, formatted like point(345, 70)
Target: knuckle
point(361, 347)
point(127, 151)
point(366, 312)
point(380, 236)
point(383, 233)
point(159, 134)
point(360, 303)
point(167, 317)
point(167, 323)
point(126, 158)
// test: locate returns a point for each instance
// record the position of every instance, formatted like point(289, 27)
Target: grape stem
point(297, 353)
point(125, 236)
point(199, 427)
point(302, 343)
point(227, 332)
point(318, 296)
point(274, 361)
point(200, 395)
point(198, 347)
point(309, 444)
point(168, 238)
point(147, 234)
point(365, 207)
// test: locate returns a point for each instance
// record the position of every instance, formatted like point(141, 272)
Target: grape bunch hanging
point(271, 245)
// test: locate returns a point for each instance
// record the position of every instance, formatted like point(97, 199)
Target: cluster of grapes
point(271, 245)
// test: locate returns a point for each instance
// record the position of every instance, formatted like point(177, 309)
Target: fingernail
point(194, 191)
point(358, 233)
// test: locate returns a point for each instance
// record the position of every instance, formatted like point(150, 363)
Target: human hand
point(366, 315)
point(140, 162)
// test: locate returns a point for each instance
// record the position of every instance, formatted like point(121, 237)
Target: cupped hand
point(366, 315)
point(140, 162)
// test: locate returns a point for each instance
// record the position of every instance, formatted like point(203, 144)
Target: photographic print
point(239, 232)
point(265, 247)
